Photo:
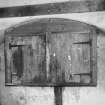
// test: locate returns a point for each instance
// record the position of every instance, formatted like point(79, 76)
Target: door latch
point(87, 42)
point(14, 45)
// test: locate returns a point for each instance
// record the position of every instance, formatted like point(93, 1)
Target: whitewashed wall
point(45, 96)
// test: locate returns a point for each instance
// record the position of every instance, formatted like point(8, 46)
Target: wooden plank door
point(59, 45)
point(49, 59)
point(69, 55)
point(27, 61)
point(81, 57)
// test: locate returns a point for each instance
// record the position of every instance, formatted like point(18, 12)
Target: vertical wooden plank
point(35, 61)
point(8, 55)
point(58, 95)
point(81, 57)
point(52, 57)
point(17, 64)
point(7, 70)
point(94, 57)
point(81, 53)
point(47, 58)
point(60, 56)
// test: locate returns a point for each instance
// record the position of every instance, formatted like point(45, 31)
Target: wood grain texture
point(68, 60)
point(64, 61)
point(81, 53)
point(62, 58)
point(59, 49)
point(28, 60)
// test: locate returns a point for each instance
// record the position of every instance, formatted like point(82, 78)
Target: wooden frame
point(93, 72)
point(93, 64)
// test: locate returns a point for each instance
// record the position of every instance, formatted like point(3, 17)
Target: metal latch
point(11, 45)
point(87, 42)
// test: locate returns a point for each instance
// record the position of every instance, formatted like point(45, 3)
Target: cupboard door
point(81, 53)
point(59, 45)
point(69, 57)
point(81, 49)
point(28, 59)
point(50, 59)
